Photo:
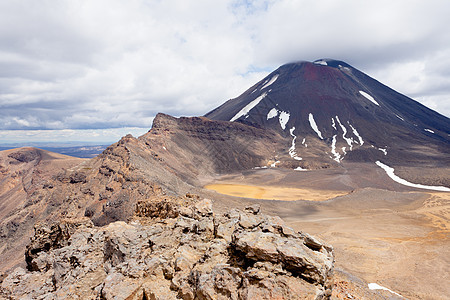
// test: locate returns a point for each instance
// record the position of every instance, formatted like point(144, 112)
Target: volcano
point(332, 111)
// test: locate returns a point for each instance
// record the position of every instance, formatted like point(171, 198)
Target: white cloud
point(97, 136)
point(100, 64)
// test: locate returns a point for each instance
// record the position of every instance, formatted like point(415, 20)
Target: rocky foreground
point(174, 250)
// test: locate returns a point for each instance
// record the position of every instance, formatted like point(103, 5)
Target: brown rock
point(51, 237)
point(206, 257)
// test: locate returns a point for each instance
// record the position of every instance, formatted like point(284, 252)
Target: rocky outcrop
point(189, 254)
point(51, 237)
point(24, 155)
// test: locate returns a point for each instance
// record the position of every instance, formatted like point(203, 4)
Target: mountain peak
point(331, 63)
point(347, 114)
point(328, 62)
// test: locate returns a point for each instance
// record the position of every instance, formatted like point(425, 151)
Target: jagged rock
point(160, 208)
point(50, 237)
point(194, 255)
point(313, 242)
point(25, 156)
point(204, 208)
point(255, 209)
point(77, 177)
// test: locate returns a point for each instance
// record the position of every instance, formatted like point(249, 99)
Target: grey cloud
point(109, 64)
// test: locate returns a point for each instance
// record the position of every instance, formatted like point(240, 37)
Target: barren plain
point(382, 232)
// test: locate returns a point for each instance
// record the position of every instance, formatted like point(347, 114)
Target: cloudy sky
point(93, 70)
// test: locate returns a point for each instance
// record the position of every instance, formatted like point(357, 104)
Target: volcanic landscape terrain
point(330, 150)
point(382, 232)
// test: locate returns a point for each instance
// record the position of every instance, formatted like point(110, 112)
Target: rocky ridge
point(188, 252)
point(23, 174)
point(165, 163)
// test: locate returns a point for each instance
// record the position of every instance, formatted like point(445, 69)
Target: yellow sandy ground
point(273, 193)
point(437, 209)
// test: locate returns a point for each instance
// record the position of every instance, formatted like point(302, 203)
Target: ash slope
point(342, 114)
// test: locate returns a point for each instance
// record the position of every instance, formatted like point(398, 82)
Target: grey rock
point(203, 208)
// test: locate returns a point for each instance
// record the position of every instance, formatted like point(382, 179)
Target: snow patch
point(383, 150)
point(355, 132)
point(337, 156)
point(374, 286)
point(348, 140)
point(164, 147)
point(272, 113)
point(304, 142)
point(313, 124)
point(429, 130)
point(333, 124)
point(284, 118)
point(275, 164)
point(321, 62)
point(244, 111)
point(369, 97)
point(256, 168)
point(390, 172)
point(399, 117)
point(300, 169)
point(272, 80)
point(292, 151)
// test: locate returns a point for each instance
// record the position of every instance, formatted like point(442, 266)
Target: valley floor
point(382, 232)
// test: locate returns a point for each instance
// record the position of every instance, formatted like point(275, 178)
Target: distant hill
point(75, 151)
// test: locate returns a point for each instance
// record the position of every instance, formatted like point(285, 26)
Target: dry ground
point(272, 192)
point(382, 232)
